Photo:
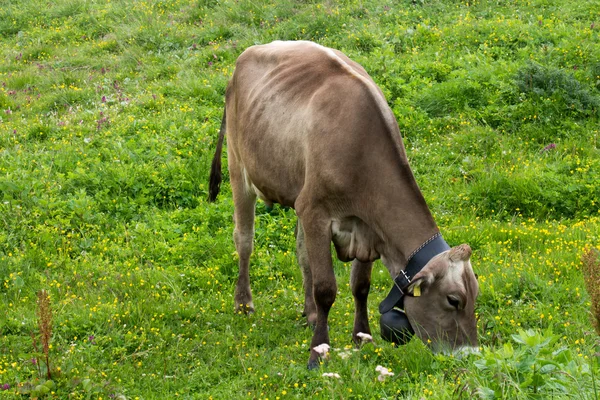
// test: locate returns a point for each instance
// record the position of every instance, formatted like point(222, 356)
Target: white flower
point(331, 375)
point(383, 373)
point(344, 354)
point(322, 349)
point(364, 337)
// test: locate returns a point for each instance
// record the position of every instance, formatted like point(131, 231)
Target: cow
point(308, 128)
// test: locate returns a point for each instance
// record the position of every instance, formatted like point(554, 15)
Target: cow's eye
point(453, 301)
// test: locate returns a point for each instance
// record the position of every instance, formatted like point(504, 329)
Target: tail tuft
point(214, 186)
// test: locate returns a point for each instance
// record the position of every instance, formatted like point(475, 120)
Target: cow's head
point(441, 309)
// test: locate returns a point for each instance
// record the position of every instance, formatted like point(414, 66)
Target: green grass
point(109, 112)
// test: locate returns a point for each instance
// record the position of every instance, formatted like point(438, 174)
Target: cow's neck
point(403, 220)
point(403, 234)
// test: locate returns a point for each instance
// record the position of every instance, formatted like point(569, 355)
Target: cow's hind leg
point(310, 309)
point(243, 236)
point(360, 282)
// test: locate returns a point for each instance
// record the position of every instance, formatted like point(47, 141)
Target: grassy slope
point(109, 112)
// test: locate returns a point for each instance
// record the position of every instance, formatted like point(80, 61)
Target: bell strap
point(416, 262)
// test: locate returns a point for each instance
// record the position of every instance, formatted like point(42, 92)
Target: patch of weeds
point(452, 97)
point(562, 189)
point(19, 81)
point(541, 82)
point(595, 73)
point(500, 193)
point(437, 71)
point(534, 368)
point(6, 103)
point(40, 132)
point(366, 42)
point(317, 27)
point(477, 142)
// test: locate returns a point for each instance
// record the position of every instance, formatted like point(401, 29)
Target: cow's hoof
point(362, 339)
point(313, 364)
point(244, 309)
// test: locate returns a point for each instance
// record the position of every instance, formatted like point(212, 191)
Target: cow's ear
point(420, 283)
point(460, 253)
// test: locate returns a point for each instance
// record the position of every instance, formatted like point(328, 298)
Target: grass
point(109, 112)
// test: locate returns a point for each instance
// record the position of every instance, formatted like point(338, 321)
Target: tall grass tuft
point(45, 326)
point(548, 82)
point(591, 274)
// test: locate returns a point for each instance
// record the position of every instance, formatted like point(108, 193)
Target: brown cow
point(309, 129)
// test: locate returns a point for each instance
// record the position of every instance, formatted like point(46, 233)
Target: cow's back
point(297, 114)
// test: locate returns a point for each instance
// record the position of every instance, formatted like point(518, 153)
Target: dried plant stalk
point(34, 342)
point(45, 325)
point(591, 275)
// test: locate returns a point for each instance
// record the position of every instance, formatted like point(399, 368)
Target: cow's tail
point(214, 185)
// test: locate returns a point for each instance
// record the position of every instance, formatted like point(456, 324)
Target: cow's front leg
point(310, 309)
point(317, 239)
point(360, 282)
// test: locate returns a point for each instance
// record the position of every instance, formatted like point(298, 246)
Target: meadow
point(109, 114)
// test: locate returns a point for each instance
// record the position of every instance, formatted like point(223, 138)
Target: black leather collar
point(416, 262)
